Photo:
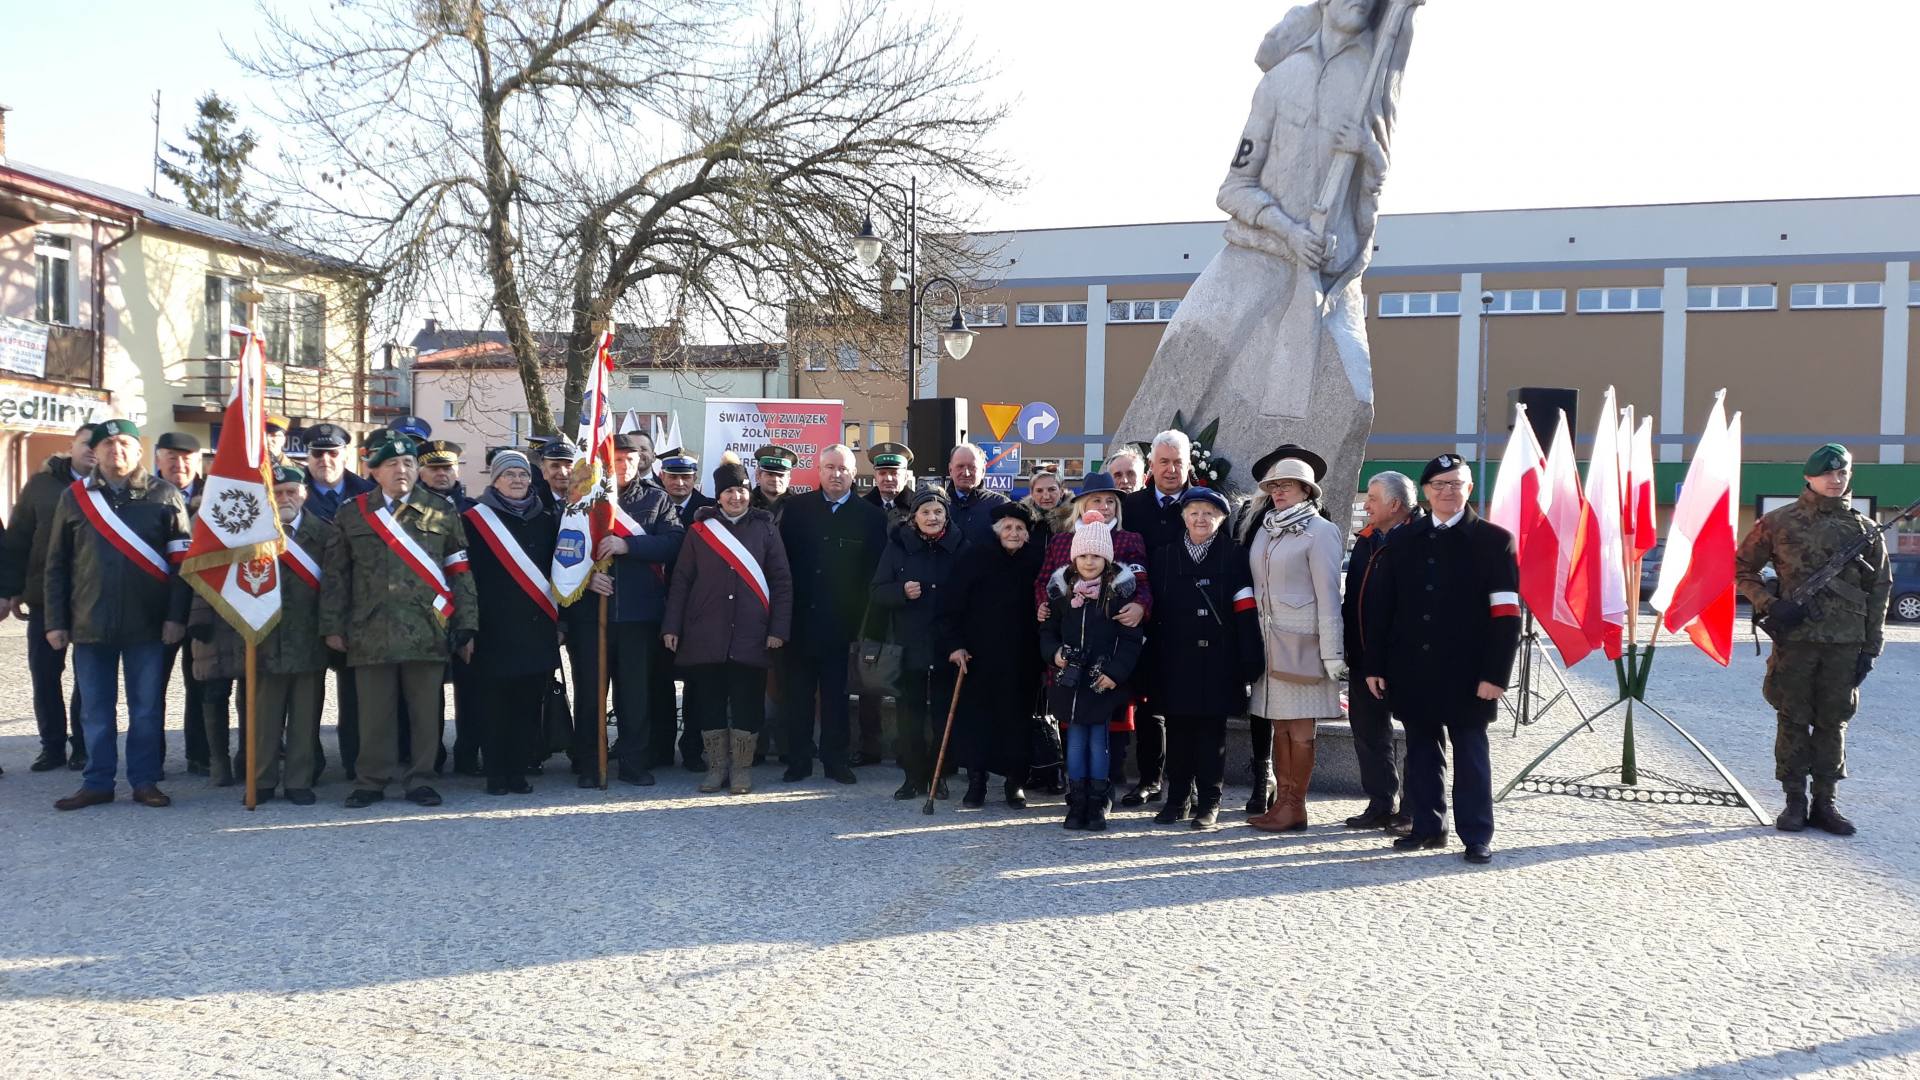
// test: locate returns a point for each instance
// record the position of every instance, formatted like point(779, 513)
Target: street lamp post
point(956, 338)
point(1480, 423)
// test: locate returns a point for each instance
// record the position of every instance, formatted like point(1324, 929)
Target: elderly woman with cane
point(1293, 554)
point(910, 585)
point(991, 640)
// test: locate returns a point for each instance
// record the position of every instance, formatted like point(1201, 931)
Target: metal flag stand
point(1523, 701)
point(1630, 673)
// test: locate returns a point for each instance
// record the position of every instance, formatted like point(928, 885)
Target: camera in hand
point(1069, 676)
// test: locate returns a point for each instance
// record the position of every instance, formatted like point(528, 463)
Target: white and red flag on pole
point(1636, 450)
point(1522, 505)
point(1606, 500)
point(1574, 624)
point(591, 510)
point(1696, 592)
point(234, 557)
point(1515, 506)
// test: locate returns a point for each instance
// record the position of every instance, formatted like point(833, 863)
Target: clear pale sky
point(1128, 111)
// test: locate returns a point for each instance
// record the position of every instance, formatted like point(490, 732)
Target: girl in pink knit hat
point(1091, 654)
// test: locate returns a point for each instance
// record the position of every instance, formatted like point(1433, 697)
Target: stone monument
point(1272, 338)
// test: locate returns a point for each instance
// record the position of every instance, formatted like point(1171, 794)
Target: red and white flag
point(233, 559)
point(1606, 501)
point(1570, 610)
point(1638, 511)
point(591, 510)
point(1696, 574)
point(1515, 506)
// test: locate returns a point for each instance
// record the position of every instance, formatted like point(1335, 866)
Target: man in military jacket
point(396, 598)
point(1441, 620)
point(1824, 648)
point(111, 592)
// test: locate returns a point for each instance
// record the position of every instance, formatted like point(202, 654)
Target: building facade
point(1802, 309)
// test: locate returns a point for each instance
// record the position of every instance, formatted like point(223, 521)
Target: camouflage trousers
point(1810, 686)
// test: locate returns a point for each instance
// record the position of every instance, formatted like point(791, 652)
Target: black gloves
point(201, 631)
point(459, 638)
point(1861, 668)
point(1785, 614)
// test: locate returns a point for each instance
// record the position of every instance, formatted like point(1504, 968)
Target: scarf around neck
point(523, 509)
point(1292, 520)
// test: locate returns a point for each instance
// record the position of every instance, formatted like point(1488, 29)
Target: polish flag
point(591, 505)
point(1605, 502)
point(1515, 506)
point(1696, 576)
point(233, 560)
point(1574, 573)
point(1639, 515)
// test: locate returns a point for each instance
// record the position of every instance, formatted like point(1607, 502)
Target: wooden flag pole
point(602, 676)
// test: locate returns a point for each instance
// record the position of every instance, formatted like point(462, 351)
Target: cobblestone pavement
point(813, 931)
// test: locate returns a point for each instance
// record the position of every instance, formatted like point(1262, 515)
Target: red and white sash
point(396, 538)
point(623, 523)
point(512, 556)
point(729, 548)
point(301, 564)
point(94, 505)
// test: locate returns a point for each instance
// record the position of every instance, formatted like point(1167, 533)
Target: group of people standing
point(1141, 608)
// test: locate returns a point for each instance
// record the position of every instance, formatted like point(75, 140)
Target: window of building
point(1141, 311)
point(1417, 305)
point(986, 315)
point(882, 432)
point(293, 324)
point(852, 433)
point(1732, 298)
point(53, 279)
point(848, 358)
point(1599, 301)
point(520, 428)
point(453, 410)
point(1849, 294)
point(816, 357)
point(638, 381)
point(1063, 313)
point(1528, 302)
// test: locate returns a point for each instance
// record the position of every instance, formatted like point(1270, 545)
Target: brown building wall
point(1413, 366)
point(1787, 370)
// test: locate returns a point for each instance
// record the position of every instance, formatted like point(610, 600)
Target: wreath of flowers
point(1207, 468)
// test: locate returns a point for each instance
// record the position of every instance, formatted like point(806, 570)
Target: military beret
point(890, 455)
point(107, 429)
point(679, 462)
point(287, 474)
point(1445, 463)
point(1828, 458)
point(1207, 495)
point(775, 459)
point(439, 452)
point(385, 450)
point(412, 426)
point(180, 441)
point(327, 437)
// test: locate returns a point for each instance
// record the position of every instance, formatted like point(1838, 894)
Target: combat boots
point(1827, 817)
point(1794, 817)
point(714, 746)
point(743, 744)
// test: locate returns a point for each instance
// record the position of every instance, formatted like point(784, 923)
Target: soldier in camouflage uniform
point(1822, 650)
point(397, 621)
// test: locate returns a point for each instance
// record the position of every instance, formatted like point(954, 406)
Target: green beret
point(1828, 458)
point(107, 429)
point(389, 448)
point(287, 474)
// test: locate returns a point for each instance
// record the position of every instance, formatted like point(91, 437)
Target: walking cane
point(940, 761)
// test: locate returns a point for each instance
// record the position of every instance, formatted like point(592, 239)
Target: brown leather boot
point(743, 745)
point(1279, 816)
point(1303, 755)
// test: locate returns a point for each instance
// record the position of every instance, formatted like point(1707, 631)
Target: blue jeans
point(1086, 751)
point(96, 670)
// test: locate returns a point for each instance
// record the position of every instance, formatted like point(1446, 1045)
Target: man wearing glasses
point(1441, 621)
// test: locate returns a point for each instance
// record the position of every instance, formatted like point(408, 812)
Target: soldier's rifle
point(1806, 596)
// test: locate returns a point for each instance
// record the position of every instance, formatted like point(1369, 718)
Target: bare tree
point(693, 164)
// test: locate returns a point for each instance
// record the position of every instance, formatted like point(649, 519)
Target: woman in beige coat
point(1294, 554)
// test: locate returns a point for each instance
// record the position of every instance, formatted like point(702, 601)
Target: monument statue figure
point(1272, 339)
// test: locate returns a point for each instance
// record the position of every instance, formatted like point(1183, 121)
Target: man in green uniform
point(1823, 648)
point(396, 597)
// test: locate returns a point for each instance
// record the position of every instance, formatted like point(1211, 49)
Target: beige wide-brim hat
point(1290, 469)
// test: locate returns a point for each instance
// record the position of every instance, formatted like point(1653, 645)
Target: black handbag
point(556, 715)
point(873, 667)
point(1044, 750)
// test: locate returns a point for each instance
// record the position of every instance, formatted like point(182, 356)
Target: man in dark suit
point(1154, 513)
point(680, 476)
point(970, 505)
point(1442, 619)
point(1391, 505)
point(833, 542)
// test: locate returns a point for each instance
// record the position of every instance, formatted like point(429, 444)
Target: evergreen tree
point(210, 170)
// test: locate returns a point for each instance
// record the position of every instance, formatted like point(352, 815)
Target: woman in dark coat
point(910, 585)
point(518, 644)
point(992, 637)
point(1205, 648)
point(730, 605)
